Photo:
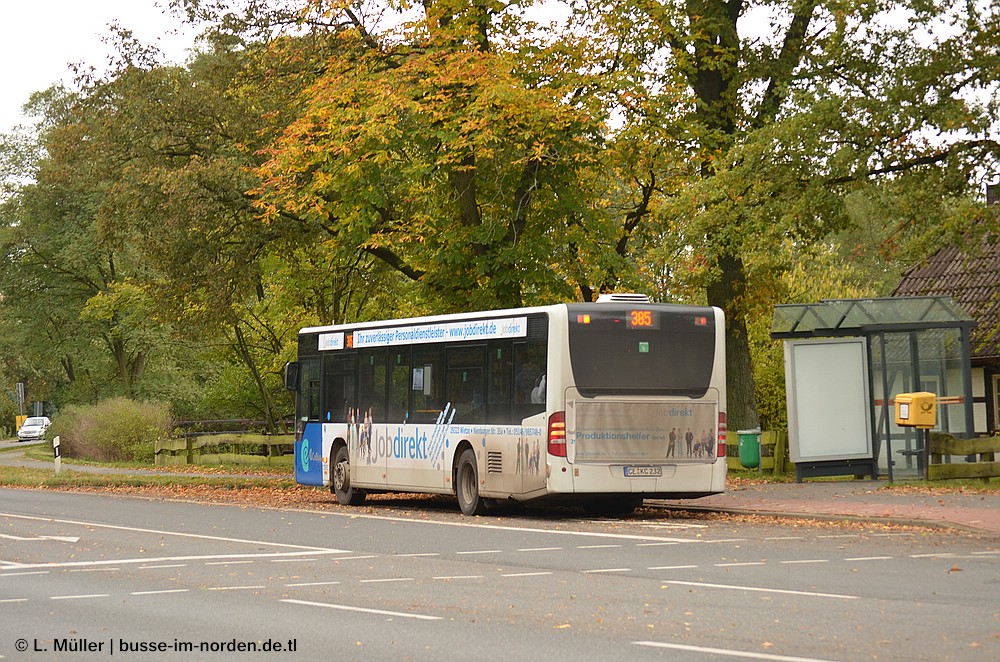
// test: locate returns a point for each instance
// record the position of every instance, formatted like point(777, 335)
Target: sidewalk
point(857, 499)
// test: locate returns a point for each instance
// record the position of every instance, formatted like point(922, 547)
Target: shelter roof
point(859, 317)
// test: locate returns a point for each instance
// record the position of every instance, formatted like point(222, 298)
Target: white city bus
point(601, 404)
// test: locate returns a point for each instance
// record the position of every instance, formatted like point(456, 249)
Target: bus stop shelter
point(912, 344)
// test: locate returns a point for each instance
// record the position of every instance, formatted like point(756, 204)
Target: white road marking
point(291, 560)
point(459, 577)
point(92, 569)
point(350, 558)
point(526, 574)
point(310, 584)
point(167, 565)
point(159, 559)
point(655, 544)
point(423, 554)
point(388, 579)
point(497, 527)
point(606, 570)
point(80, 597)
point(5, 601)
point(365, 610)
point(482, 551)
point(736, 565)
point(731, 653)
point(59, 538)
point(762, 590)
point(869, 558)
point(179, 534)
point(235, 588)
point(20, 574)
point(169, 590)
point(805, 561)
point(231, 562)
point(597, 546)
point(539, 549)
point(672, 567)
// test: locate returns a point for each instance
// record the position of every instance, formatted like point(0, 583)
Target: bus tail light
point(557, 434)
point(722, 435)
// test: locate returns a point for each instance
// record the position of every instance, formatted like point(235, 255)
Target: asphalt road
point(95, 576)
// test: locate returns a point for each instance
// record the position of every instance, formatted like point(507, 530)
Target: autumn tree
point(440, 152)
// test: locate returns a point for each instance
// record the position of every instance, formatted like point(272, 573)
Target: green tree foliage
point(138, 230)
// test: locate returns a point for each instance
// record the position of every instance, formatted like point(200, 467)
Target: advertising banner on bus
point(640, 431)
point(463, 331)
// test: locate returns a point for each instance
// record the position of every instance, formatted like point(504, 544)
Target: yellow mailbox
point(916, 410)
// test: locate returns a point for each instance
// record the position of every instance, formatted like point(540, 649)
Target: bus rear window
point(641, 350)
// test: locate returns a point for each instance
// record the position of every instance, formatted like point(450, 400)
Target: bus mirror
point(292, 376)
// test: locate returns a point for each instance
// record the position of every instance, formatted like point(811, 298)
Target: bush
point(115, 430)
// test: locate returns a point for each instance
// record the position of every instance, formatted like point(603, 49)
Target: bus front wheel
point(341, 483)
point(467, 485)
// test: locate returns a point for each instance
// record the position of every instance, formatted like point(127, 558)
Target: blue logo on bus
point(304, 455)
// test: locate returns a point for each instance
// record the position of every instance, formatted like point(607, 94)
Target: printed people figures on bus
point(699, 446)
point(366, 436)
point(352, 429)
point(528, 457)
point(672, 445)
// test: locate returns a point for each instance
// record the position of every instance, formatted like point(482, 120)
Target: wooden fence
point(225, 448)
point(983, 449)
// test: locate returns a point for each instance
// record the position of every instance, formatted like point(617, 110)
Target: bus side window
point(427, 384)
point(466, 382)
point(372, 377)
point(340, 386)
point(399, 386)
point(499, 381)
point(308, 400)
point(529, 367)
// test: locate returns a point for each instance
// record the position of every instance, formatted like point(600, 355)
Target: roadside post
point(55, 453)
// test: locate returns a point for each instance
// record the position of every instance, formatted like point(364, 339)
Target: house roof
point(970, 276)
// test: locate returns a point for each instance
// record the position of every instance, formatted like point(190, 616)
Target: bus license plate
point(631, 472)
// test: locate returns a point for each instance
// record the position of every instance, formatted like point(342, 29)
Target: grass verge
point(69, 478)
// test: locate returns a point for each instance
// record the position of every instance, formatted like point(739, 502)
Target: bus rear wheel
point(341, 483)
point(467, 485)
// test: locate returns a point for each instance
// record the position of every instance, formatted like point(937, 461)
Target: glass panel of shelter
point(936, 353)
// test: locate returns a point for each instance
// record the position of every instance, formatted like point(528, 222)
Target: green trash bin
point(749, 447)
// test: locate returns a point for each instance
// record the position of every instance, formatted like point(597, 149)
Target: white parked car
point(34, 427)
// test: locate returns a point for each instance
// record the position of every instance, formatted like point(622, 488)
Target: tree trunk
point(265, 395)
point(729, 293)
